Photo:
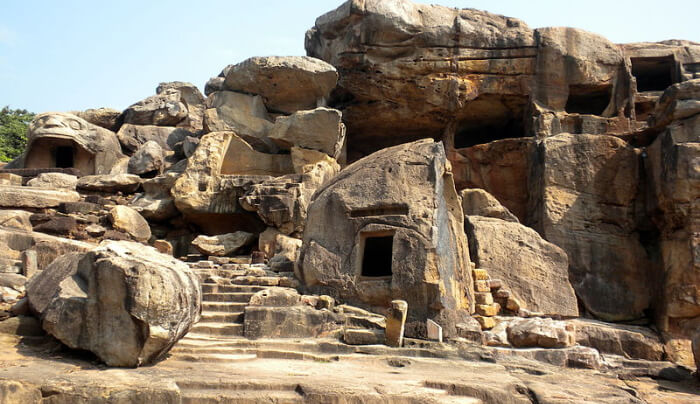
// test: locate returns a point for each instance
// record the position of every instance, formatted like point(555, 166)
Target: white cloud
point(7, 36)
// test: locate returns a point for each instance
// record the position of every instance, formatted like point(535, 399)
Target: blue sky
point(77, 54)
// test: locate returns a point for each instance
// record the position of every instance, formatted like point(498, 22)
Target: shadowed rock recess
point(435, 205)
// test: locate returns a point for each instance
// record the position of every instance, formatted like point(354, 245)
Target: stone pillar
point(434, 331)
point(30, 263)
point(395, 323)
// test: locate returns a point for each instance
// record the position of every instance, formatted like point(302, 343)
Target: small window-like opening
point(64, 157)
point(653, 74)
point(377, 256)
point(588, 100)
point(473, 133)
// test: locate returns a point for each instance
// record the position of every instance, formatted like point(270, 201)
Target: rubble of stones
point(426, 173)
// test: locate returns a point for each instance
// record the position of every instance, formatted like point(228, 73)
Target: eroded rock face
point(130, 221)
point(673, 166)
point(134, 136)
point(477, 202)
point(535, 270)
point(318, 129)
point(223, 244)
point(390, 227)
point(287, 84)
point(63, 140)
point(147, 159)
point(175, 104)
point(588, 186)
point(124, 302)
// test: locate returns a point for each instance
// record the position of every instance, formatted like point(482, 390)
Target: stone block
point(396, 322)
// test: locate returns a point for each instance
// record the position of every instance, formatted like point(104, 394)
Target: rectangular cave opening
point(481, 132)
point(588, 99)
point(64, 157)
point(654, 73)
point(377, 256)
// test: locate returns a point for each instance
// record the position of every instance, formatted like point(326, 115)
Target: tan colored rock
point(59, 140)
point(128, 303)
point(287, 84)
point(134, 136)
point(147, 159)
point(130, 221)
point(696, 351)
point(163, 246)
point(318, 129)
point(243, 114)
point(477, 202)
point(541, 332)
point(396, 323)
point(175, 104)
point(29, 197)
point(286, 253)
point(389, 227)
point(588, 186)
point(10, 179)
point(126, 183)
point(54, 180)
point(16, 219)
point(629, 341)
point(223, 244)
point(107, 118)
point(535, 270)
point(500, 168)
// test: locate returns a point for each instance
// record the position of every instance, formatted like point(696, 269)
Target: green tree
point(13, 132)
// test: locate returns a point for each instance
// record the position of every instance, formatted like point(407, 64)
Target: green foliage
point(13, 132)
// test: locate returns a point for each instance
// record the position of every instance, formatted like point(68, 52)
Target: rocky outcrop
point(287, 84)
point(131, 222)
point(223, 244)
point(477, 202)
point(388, 227)
point(535, 271)
point(132, 137)
point(63, 140)
point(124, 302)
point(175, 104)
point(588, 186)
point(318, 129)
point(30, 197)
point(54, 180)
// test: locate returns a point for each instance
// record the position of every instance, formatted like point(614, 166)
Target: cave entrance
point(377, 256)
point(489, 118)
point(63, 156)
point(474, 133)
point(654, 73)
point(588, 99)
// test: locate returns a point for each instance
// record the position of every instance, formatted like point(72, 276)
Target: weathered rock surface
point(67, 141)
point(134, 136)
point(318, 129)
point(30, 197)
point(282, 202)
point(287, 84)
point(628, 341)
point(124, 302)
point(223, 244)
point(54, 180)
point(588, 186)
point(477, 202)
point(130, 221)
point(175, 104)
point(107, 118)
point(399, 206)
point(16, 219)
point(243, 114)
point(535, 270)
point(147, 159)
point(540, 332)
point(127, 183)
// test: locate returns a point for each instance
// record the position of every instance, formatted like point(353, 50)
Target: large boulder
point(586, 192)
point(107, 118)
point(134, 136)
point(147, 159)
point(54, 180)
point(319, 129)
point(243, 114)
point(130, 221)
point(535, 270)
point(59, 140)
point(287, 84)
point(175, 104)
point(390, 226)
point(30, 197)
point(223, 244)
point(126, 183)
point(126, 303)
point(477, 202)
